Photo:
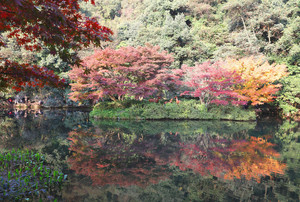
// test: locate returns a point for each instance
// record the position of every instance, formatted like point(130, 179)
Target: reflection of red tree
point(109, 160)
point(231, 159)
point(144, 160)
point(204, 159)
point(256, 158)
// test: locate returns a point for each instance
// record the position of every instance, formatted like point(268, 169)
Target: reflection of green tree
point(186, 129)
point(182, 186)
point(289, 135)
point(9, 130)
point(79, 189)
point(35, 131)
point(46, 133)
point(25, 132)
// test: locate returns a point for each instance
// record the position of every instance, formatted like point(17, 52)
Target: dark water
point(161, 160)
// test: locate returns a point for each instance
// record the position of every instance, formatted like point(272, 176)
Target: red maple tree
point(140, 72)
point(212, 84)
point(55, 24)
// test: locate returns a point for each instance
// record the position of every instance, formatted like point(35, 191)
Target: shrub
point(187, 109)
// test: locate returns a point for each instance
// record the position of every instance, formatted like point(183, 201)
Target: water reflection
point(121, 159)
point(257, 158)
point(161, 161)
point(131, 159)
point(33, 129)
point(236, 159)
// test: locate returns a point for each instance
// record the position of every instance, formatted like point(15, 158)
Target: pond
point(161, 160)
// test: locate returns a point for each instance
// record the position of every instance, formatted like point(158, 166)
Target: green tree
point(161, 23)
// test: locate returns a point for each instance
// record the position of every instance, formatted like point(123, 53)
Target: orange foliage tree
point(259, 78)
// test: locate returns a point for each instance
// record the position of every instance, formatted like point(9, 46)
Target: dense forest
point(264, 34)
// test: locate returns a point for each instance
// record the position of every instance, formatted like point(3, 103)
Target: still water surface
point(161, 160)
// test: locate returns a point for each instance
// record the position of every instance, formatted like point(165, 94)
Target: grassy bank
point(185, 110)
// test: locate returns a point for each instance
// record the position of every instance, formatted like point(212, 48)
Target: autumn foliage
point(235, 159)
point(205, 159)
point(137, 159)
point(55, 24)
point(259, 78)
point(110, 159)
point(212, 84)
point(21, 75)
point(140, 72)
point(234, 81)
point(256, 158)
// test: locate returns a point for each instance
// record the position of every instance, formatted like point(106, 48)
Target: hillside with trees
point(262, 34)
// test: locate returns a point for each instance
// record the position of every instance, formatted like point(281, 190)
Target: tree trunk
point(269, 34)
point(112, 98)
point(245, 28)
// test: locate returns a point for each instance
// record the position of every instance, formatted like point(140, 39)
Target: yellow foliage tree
point(259, 77)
